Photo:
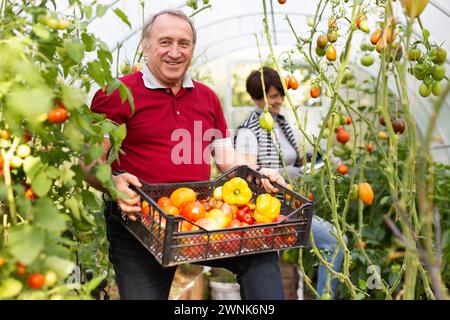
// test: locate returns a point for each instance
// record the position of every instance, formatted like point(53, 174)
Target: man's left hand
point(274, 176)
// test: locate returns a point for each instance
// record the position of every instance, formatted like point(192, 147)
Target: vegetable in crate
point(267, 208)
point(236, 191)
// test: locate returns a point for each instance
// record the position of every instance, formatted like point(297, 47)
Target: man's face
point(170, 49)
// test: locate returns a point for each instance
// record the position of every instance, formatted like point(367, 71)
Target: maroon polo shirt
point(168, 136)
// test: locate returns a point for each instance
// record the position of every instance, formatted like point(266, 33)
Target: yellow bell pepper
point(267, 208)
point(236, 191)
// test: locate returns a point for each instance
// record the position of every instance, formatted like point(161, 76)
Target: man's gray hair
point(149, 23)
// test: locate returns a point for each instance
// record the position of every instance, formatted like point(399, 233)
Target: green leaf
point(10, 288)
point(88, 12)
point(31, 166)
point(96, 72)
point(66, 172)
point(73, 97)
point(41, 31)
point(96, 151)
point(94, 283)
point(362, 284)
point(101, 10)
point(121, 133)
point(103, 172)
point(48, 217)
point(113, 85)
point(89, 199)
point(41, 184)
point(88, 41)
point(30, 103)
point(62, 267)
point(122, 16)
point(26, 243)
point(75, 49)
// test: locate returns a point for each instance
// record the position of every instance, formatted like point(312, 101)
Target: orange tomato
point(293, 84)
point(219, 216)
point(30, 194)
point(172, 210)
point(314, 92)
point(369, 147)
point(228, 211)
point(164, 202)
point(182, 195)
point(365, 193)
point(342, 169)
point(193, 211)
point(206, 223)
point(58, 115)
point(376, 35)
point(331, 53)
point(5, 134)
point(145, 208)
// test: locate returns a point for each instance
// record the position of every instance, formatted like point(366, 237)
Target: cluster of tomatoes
point(324, 42)
point(212, 213)
point(34, 280)
point(16, 160)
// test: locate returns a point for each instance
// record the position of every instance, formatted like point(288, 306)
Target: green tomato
point(351, 83)
point(424, 90)
point(63, 24)
point(51, 278)
point(332, 36)
point(320, 51)
point(266, 121)
point(364, 26)
point(367, 60)
point(16, 161)
point(52, 23)
point(420, 71)
point(23, 151)
point(436, 88)
point(310, 22)
point(414, 54)
point(438, 55)
point(438, 72)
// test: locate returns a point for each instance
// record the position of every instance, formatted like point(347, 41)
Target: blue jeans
point(326, 240)
point(140, 277)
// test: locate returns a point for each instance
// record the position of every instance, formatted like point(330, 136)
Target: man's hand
point(274, 176)
point(128, 205)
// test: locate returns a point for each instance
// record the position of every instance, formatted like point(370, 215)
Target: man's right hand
point(129, 205)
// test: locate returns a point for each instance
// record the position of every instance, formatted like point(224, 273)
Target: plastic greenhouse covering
point(226, 36)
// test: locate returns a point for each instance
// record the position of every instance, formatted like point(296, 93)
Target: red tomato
point(36, 280)
point(235, 223)
point(164, 202)
point(342, 169)
point(280, 218)
point(293, 84)
point(343, 136)
point(314, 92)
point(58, 115)
point(348, 120)
point(30, 194)
point(241, 212)
point(247, 218)
point(193, 211)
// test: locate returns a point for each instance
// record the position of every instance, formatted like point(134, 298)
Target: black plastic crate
point(161, 233)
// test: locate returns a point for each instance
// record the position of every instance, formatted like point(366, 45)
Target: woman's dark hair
point(254, 85)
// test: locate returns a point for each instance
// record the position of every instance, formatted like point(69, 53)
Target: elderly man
point(170, 105)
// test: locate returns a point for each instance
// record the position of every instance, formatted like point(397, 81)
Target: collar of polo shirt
point(151, 82)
